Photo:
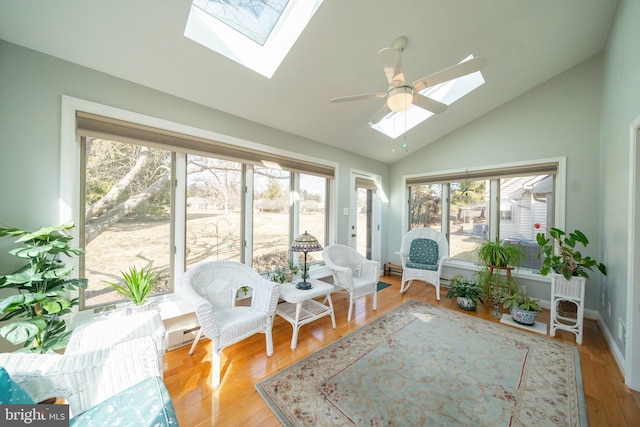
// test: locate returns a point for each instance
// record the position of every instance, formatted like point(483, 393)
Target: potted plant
point(41, 289)
point(467, 292)
point(500, 255)
point(524, 309)
point(138, 284)
point(495, 255)
point(561, 255)
point(279, 275)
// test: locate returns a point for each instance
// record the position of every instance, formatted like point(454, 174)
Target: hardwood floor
point(237, 403)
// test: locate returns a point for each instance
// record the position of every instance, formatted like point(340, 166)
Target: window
point(155, 197)
point(257, 34)
point(128, 210)
point(213, 210)
point(497, 203)
point(271, 218)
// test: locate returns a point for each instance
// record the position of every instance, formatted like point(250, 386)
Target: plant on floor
point(523, 309)
point(561, 255)
point(43, 289)
point(138, 284)
point(464, 289)
point(520, 301)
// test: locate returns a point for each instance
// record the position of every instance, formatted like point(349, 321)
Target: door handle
point(353, 235)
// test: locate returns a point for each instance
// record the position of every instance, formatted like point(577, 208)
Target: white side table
point(300, 307)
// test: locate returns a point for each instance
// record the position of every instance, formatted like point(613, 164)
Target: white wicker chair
point(417, 269)
point(211, 288)
point(84, 379)
point(352, 272)
point(116, 329)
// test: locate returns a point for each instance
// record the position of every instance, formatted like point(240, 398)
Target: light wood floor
point(237, 403)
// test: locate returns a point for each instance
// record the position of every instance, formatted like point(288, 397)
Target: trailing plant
point(523, 302)
point(138, 284)
point(42, 289)
point(499, 254)
point(561, 255)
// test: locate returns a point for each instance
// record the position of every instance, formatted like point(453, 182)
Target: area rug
point(423, 365)
point(382, 285)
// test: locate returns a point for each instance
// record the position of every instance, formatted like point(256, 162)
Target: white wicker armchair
point(84, 379)
point(352, 272)
point(211, 288)
point(423, 253)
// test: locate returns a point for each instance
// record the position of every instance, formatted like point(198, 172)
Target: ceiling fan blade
point(459, 70)
point(392, 64)
point(360, 97)
point(379, 115)
point(428, 104)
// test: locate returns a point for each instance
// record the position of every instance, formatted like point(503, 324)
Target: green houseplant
point(498, 254)
point(41, 288)
point(467, 292)
point(523, 308)
point(138, 284)
point(561, 255)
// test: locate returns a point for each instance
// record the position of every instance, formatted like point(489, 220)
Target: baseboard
point(615, 350)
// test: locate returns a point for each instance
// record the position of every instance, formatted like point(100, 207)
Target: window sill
point(522, 273)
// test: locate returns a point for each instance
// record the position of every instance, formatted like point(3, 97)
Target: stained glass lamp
point(305, 243)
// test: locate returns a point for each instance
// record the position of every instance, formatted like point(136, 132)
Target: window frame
point(493, 174)
point(71, 176)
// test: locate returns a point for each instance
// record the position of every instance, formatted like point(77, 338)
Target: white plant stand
point(570, 291)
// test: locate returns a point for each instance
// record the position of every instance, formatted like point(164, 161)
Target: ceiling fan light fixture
point(400, 98)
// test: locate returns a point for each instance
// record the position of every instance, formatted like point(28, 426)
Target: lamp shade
point(305, 243)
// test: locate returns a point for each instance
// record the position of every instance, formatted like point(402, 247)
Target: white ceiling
point(525, 43)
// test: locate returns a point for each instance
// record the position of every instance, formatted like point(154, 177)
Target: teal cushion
point(144, 404)
point(10, 392)
point(423, 251)
point(433, 267)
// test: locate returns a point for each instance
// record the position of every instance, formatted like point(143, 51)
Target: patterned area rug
point(422, 365)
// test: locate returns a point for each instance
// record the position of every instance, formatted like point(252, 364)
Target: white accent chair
point(423, 252)
point(211, 289)
point(84, 379)
point(352, 272)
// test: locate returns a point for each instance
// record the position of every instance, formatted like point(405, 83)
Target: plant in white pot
point(467, 292)
point(561, 255)
point(569, 270)
point(524, 309)
point(138, 285)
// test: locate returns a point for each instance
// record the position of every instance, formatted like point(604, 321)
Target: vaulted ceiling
point(525, 43)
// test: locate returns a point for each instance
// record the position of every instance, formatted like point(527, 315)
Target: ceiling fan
point(400, 95)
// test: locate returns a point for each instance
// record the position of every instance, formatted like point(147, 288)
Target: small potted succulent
point(467, 292)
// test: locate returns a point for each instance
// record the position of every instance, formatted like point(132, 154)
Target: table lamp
point(305, 243)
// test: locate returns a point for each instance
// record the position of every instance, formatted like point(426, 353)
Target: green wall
point(620, 109)
point(559, 118)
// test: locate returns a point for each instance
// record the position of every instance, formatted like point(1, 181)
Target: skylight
point(395, 124)
point(255, 33)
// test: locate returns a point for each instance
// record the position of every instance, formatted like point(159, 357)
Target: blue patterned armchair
point(422, 253)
